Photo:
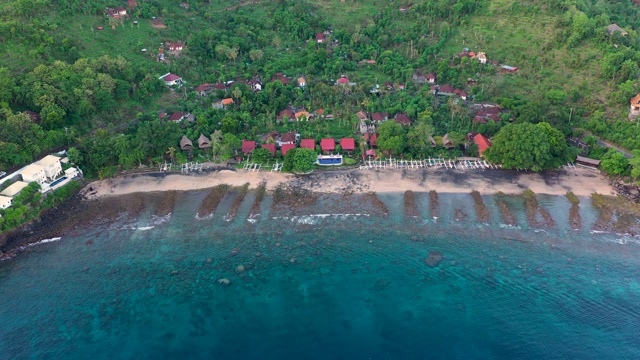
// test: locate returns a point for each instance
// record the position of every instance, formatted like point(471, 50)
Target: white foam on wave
point(159, 220)
point(45, 241)
point(13, 253)
point(206, 217)
point(314, 218)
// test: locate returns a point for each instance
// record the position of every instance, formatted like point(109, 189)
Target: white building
point(171, 79)
point(34, 173)
point(14, 189)
point(5, 202)
point(51, 165)
point(71, 173)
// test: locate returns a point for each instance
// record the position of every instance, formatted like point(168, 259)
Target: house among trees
point(171, 79)
point(271, 147)
point(348, 144)
point(343, 81)
point(204, 142)
point(203, 89)
point(286, 147)
point(634, 109)
point(308, 144)
point(185, 143)
point(320, 38)
point(587, 161)
point(432, 141)
point(288, 138)
point(281, 78)
point(33, 173)
point(403, 119)
point(328, 144)
point(482, 142)
point(419, 77)
point(286, 113)
point(5, 202)
point(177, 116)
point(33, 116)
point(302, 82)
point(302, 115)
point(446, 142)
point(431, 78)
point(508, 69)
point(379, 117)
point(482, 57)
point(362, 116)
point(14, 189)
point(613, 28)
point(176, 46)
point(51, 166)
point(248, 146)
point(461, 94)
point(116, 12)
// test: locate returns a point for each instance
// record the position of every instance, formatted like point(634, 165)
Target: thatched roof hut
point(185, 143)
point(204, 142)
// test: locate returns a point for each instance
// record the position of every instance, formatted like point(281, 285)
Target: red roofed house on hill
point(288, 138)
point(248, 146)
point(344, 81)
point(171, 79)
point(177, 116)
point(176, 46)
point(373, 140)
point(286, 147)
point(327, 144)
point(483, 143)
point(348, 144)
point(403, 119)
point(634, 108)
point(320, 38)
point(270, 147)
point(308, 144)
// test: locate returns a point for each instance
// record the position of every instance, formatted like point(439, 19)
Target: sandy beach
point(580, 181)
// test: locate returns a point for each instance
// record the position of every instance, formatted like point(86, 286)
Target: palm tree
point(216, 142)
point(172, 153)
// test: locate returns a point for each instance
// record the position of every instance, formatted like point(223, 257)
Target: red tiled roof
point(248, 146)
point(171, 77)
point(308, 144)
point(483, 143)
point(286, 147)
point(203, 87)
point(220, 86)
point(286, 113)
point(288, 137)
point(270, 147)
point(176, 116)
point(362, 115)
point(371, 152)
point(343, 80)
point(227, 101)
point(327, 144)
point(403, 119)
point(320, 36)
point(430, 76)
point(446, 89)
point(373, 140)
point(379, 116)
point(348, 144)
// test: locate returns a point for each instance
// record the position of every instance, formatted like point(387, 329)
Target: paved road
point(606, 144)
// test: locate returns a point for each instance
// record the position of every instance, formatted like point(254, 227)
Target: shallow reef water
point(326, 281)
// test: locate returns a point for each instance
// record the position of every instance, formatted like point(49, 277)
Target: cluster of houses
point(203, 143)
point(291, 140)
point(47, 172)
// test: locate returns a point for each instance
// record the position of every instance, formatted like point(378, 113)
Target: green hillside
point(82, 70)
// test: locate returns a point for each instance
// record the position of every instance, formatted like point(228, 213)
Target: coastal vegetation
point(74, 74)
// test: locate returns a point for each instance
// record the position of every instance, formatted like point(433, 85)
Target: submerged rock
point(240, 269)
point(434, 259)
point(224, 282)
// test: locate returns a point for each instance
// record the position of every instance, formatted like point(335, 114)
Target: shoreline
point(581, 182)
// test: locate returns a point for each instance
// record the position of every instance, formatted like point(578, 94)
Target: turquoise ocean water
point(313, 286)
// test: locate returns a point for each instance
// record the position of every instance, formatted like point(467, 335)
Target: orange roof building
point(482, 142)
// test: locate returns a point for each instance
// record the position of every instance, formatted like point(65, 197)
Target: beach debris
point(240, 269)
point(224, 282)
point(434, 259)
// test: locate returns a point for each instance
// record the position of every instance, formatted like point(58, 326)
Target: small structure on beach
point(446, 142)
point(587, 161)
point(204, 142)
point(185, 143)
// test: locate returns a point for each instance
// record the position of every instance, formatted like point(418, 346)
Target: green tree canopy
point(391, 138)
point(528, 146)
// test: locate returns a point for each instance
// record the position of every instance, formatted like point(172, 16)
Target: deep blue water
point(337, 287)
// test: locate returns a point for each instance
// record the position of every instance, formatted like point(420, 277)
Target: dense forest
point(74, 75)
